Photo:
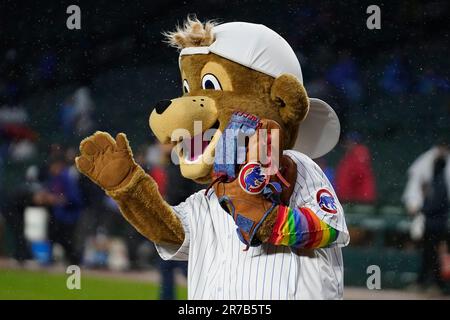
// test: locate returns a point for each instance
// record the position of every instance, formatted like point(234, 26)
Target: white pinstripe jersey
point(218, 268)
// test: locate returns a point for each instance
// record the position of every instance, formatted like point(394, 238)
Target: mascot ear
point(290, 96)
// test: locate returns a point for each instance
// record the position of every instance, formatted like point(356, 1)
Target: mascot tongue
point(195, 147)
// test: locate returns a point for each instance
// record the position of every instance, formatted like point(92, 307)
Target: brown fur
point(287, 89)
point(142, 205)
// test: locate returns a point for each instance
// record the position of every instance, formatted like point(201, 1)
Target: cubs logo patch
point(252, 178)
point(326, 201)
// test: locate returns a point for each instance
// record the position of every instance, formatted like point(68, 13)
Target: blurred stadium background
point(390, 88)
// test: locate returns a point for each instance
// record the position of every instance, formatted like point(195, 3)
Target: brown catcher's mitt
point(251, 191)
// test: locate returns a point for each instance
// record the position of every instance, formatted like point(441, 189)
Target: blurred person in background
point(17, 138)
point(355, 181)
point(70, 153)
point(62, 195)
point(84, 108)
point(20, 198)
point(94, 215)
point(67, 116)
point(427, 193)
point(76, 113)
point(163, 170)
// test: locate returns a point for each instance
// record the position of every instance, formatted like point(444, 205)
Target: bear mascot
point(269, 226)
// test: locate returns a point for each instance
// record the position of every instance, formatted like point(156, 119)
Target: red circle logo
point(252, 178)
point(326, 201)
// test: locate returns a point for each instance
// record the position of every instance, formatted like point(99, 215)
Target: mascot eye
point(186, 88)
point(209, 81)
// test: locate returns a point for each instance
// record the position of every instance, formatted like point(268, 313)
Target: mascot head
point(232, 67)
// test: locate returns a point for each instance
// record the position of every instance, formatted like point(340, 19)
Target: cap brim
point(319, 133)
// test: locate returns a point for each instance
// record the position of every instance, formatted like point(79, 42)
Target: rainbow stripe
point(301, 228)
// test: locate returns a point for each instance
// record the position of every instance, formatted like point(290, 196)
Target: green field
point(40, 285)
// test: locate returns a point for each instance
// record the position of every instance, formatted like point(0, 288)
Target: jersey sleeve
point(302, 228)
point(174, 252)
point(314, 218)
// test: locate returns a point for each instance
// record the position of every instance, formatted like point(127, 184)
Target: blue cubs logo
point(326, 201)
point(252, 178)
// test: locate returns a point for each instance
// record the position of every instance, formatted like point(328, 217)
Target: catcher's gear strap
point(301, 228)
point(247, 226)
point(228, 154)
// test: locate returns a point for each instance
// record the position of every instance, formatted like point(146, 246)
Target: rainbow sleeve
point(301, 228)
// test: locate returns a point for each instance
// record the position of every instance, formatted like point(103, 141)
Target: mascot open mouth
point(192, 149)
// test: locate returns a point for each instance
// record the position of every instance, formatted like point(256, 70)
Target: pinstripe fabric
point(220, 269)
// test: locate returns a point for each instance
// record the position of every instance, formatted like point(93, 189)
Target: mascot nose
point(162, 105)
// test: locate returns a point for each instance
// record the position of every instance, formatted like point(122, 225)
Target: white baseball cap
point(259, 48)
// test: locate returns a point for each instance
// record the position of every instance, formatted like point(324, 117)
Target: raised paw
point(107, 162)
